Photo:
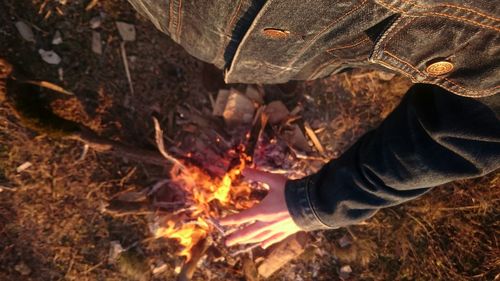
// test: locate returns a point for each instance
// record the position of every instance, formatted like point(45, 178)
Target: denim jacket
point(454, 43)
point(446, 128)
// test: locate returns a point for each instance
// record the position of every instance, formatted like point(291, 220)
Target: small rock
point(115, 250)
point(254, 94)
point(345, 241)
point(95, 22)
point(60, 73)
point(295, 138)
point(57, 39)
point(96, 43)
point(126, 30)
point(159, 268)
point(220, 102)
point(23, 269)
point(49, 57)
point(26, 31)
point(239, 109)
point(277, 112)
point(345, 272)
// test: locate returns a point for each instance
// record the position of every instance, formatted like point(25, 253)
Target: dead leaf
point(26, 31)
point(126, 30)
point(49, 57)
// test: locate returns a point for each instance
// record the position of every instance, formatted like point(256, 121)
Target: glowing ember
point(206, 198)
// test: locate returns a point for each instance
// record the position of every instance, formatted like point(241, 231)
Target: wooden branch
point(104, 145)
point(197, 253)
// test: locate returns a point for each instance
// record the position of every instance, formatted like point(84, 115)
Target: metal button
point(275, 33)
point(439, 68)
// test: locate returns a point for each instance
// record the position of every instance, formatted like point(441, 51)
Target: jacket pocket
point(458, 55)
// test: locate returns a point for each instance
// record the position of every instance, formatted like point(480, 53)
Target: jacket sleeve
point(431, 138)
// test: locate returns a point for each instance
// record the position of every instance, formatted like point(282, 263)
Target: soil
point(51, 224)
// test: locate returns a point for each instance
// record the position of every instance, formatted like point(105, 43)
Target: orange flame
point(203, 192)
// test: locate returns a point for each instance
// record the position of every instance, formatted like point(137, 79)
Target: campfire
point(205, 199)
point(205, 160)
point(205, 181)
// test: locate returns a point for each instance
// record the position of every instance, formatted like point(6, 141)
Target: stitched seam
point(179, 22)
point(464, 19)
point(321, 68)
point(442, 15)
point(171, 7)
point(447, 79)
point(396, 32)
point(324, 29)
point(420, 72)
point(348, 46)
point(228, 26)
point(385, 5)
point(457, 7)
point(384, 63)
point(233, 18)
point(308, 198)
point(404, 61)
point(463, 88)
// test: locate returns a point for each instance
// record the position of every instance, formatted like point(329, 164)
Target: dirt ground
point(51, 224)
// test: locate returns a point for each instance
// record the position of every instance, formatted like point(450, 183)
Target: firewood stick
point(197, 253)
point(34, 113)
point(104, 145)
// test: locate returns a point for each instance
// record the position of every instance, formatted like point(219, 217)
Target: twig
point(161, 146)
point(314, 138)
point(465, 208)
point(217, 226)
point(127, 69)
point(7, 188)
point(70, 265)
point(91, 5)
point(93, 268)
point(101, 144)
point(48, 85)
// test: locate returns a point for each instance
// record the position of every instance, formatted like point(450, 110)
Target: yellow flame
point(201, 190)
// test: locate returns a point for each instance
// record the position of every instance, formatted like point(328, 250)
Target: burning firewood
point(197, 253)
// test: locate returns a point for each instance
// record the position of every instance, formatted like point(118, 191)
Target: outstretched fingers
point(260, 176)
point(246, 216)
point(273, 240)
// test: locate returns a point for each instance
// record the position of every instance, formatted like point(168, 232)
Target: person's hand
point(270, 220)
